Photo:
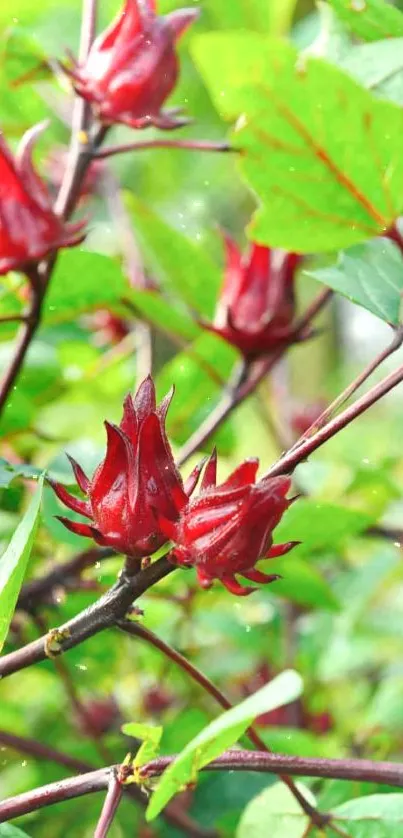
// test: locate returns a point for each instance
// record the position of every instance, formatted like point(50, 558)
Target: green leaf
point(302, 583)
point(199, 373)
point(378, 66)
point(319, 526)
point(302, 152)
point(181, 264)
point(371, 20)
point(275, 813)
point(375, 816)
point(8, 471)
point(163, 314)
point(7, 830)
point(81, 282)
point(370, 275)
point(220, 735)
point(13, 563)
point(257, 15)
point(150, 746)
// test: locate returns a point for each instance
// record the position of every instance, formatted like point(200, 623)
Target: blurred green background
point(336, 615)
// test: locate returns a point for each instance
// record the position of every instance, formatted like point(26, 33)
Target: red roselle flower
point(29, 228)
point(136, 482)
point(256, 308)
point(227, 528)
point(132, 67)
point(108, 329)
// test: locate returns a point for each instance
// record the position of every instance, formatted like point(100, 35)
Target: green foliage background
point(336, 615)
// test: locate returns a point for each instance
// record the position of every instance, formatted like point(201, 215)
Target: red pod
point(132, 67)
point(228, 528)
point(136, 482)
point(256, 308)
point(29, 227)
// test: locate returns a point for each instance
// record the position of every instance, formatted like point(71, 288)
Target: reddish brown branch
point(357, 770)
point(232, 397)
point(137, 630)
point(147, 145)
point(110, 807)
point(102, 614)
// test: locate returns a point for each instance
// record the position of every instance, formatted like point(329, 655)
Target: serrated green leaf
point(303, 151)
point(181, 264)
point(371, 20)
point(375, 816)
point(221, 734)
point(13, 563)
point(275, 812)
point(370, 275)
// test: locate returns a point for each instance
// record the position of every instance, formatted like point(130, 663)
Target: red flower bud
point(227, 528)
point(136, 482)
point(256, 308)
point(29, 228)
point(132, 67)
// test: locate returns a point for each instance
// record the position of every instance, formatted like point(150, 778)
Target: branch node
point(54, 642)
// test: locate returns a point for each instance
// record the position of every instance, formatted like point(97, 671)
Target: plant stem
point(24, 337)
point(102, 614)
point(57, 792)
point(137, 630)
point(291, 459)
point(191, 145)
point(80, 156)
point(110, 807)
point(35, 749)
point(382, 773)
point(358, 770)
point(173, 814)
point(394, 345)
point(13, 318)
point(231, 398)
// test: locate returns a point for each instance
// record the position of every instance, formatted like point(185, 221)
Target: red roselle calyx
point(132, 67)
point(256, 309)
point(227, 528)
point(135, 484)
point(29, 228)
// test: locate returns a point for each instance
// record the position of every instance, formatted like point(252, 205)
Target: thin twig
point(358, 770)
point(37, 750)
point(110, 807)
point(173, 814)
point(101, 615)
point(57, 792)
point(13, 318)
point(257, 372)
point(191, 145)
point(352, 388)
point(291, 459)
point(137, 630)
point(382, 773)
point(81, 153)
point(23, 340)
